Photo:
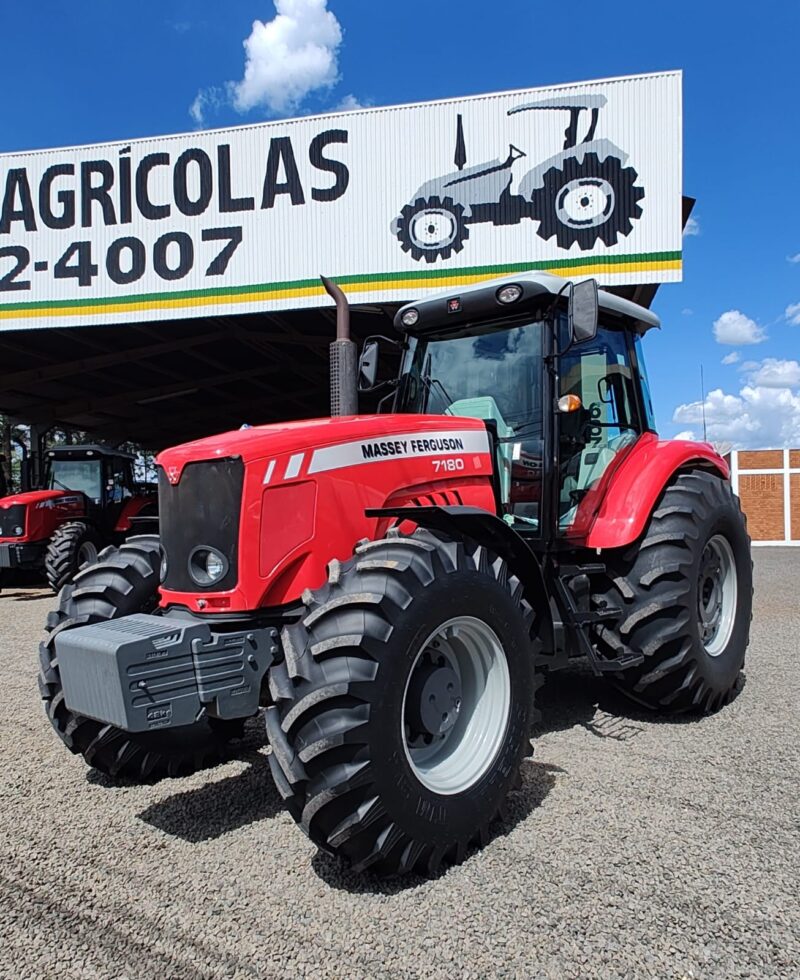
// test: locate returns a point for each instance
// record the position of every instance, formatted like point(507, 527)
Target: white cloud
point(687, 311)
point(734, 328)
point(793, 313)
point(758, 417)
point(731, 358)
point(692, 227)
point(773, 372)
point(349, 103)
point(207, 98)
point(687, 434)
point(289, 57)
point(793, 258)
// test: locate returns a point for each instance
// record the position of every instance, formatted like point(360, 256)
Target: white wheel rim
point(433, 228)
point(585, 202)
point(453, 760)
point(716, 595)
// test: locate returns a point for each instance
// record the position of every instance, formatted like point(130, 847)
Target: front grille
point(10, 519)
point(203, 509)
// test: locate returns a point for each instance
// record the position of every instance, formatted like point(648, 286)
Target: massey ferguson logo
point(172, 474)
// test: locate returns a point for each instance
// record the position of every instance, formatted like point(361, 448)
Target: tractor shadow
point(27, 595)
point(220, 807)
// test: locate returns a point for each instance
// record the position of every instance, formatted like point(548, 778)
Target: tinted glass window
point(83, 475)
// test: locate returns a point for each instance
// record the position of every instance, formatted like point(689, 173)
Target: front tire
point(685, 592)
point(404, 703)
point(124, 581)
point(432, 228)
point(71, 547)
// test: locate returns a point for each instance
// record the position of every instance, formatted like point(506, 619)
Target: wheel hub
point(585, 202)
point(433, 228)
point(434, 699)
point(456, 705)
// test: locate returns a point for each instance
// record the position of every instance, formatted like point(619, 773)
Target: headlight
point(509, 294)
point(164, 567)
point(18, 530)
point(409, 318)
point(207, 566)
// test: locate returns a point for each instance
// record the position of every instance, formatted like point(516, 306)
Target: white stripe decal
point(408, 445)
point(270, 471)
point(293, 466)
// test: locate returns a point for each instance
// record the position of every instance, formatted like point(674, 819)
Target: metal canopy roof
point(158, 385)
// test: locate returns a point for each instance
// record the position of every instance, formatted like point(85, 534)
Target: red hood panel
point(33, 497)
point(283, 437)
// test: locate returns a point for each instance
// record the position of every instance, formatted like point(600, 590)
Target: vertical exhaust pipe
point(344, 390)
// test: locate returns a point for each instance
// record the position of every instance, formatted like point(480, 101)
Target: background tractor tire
point(71, 547)
point(587, 201)
point(438, 238)
point(694, 552)
point(351, 754)
point(124, 581)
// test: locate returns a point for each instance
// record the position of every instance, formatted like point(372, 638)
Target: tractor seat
point(485, 407)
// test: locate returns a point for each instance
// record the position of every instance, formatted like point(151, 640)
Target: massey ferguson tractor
point(392, 588)
point(88, 499)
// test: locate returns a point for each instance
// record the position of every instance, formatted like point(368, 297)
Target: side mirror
point(368, 365)
point(583, 311)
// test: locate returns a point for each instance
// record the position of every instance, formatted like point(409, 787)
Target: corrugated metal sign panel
point(578, 179)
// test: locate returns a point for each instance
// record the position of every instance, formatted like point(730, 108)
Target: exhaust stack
point(344, 390)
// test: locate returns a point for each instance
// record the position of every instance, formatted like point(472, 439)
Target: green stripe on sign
point(418, 275)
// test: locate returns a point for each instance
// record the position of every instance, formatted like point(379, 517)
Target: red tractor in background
point(392, 588)
point(88, 499)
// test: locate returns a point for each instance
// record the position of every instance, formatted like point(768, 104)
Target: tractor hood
point(32, 497)
point(296, 437)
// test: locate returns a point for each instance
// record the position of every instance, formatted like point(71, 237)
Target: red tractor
point(88, 500)
point(392, 588)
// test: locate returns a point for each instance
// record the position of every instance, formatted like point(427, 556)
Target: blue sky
point(92, 71)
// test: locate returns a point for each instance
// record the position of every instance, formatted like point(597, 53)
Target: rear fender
point(637, 483)
point(490, 531)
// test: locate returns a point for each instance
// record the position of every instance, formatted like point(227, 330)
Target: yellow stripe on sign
point(407, 285)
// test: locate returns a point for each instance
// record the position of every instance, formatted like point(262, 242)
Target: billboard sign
point(393, 202)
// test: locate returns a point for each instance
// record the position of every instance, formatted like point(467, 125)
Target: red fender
point(637, 482)
point(132, 508)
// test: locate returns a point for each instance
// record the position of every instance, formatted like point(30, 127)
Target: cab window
point(601, 374)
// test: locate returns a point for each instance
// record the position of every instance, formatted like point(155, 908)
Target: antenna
point(703, 402)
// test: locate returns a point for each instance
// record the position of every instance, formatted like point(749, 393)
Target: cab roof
point(81, 452)
point(458, 307)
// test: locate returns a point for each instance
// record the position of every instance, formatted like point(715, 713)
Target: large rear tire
point(404, 703)
point(71, 547)
point(123, 581)
point(685, 590)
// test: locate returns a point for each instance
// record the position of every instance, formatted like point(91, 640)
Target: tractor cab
point(563, 400)
point(103, 476)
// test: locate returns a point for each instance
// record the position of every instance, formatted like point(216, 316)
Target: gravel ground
point(635, 848)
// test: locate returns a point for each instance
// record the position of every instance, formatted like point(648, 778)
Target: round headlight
point(164, 567)
point(207, 566)
point(509, 294)
point(18, 530)
point(409, 318)
point(215, 566)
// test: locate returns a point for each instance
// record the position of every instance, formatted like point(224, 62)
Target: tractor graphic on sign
point(584, 194)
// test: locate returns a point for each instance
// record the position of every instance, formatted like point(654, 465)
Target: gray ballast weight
point(142, 672)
